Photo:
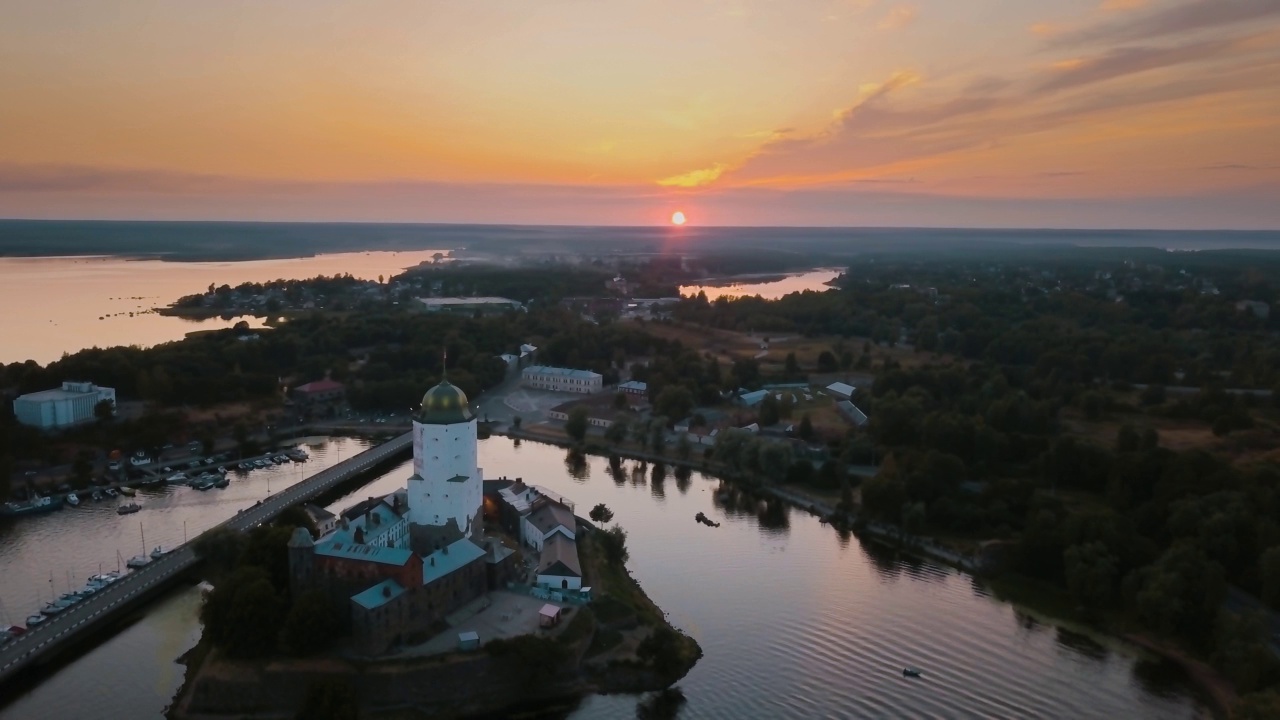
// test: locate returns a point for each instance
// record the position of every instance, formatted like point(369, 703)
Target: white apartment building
point(541, 377)
point(69, 405)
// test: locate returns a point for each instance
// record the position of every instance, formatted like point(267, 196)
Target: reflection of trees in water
point(883, 559)
point(664, 705)
point(659, 473)
point(576, 464)
point(1162, 677)
point(682, 478)
point(774, 515)
point(1027, 623)
point(843, 536)
point(638, 474)
point(1081, 644)
point(734, 501)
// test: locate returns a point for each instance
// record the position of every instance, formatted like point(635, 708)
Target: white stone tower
point(446, 490)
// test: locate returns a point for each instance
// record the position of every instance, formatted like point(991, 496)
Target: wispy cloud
point(1186, 17)
point(1122, 5)
point(695, 178)
point(898, 17)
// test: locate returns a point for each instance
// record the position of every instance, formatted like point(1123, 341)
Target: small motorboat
point(160, 551)
point(128, 508)
point(912, 672)
point(34, 620)
point(73, 499)
point(222, 470)
point(96, 496)
point(54, 607)
point(111, 493)
point(138, 561)
point(127, 491)
point(221, 482)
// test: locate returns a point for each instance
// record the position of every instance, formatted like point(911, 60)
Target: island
point(455, 596)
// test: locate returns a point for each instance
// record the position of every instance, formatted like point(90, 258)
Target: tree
point(675, 401)
point(805, 431)
point(1269, 571)
point(104, 411)
point(614, 544)
point(661, 650)
point(207, 445)
point(601, 513)
point(800, 473)
point(791, 365)
point(576, 426)
point(295, 516)
point(515, 421)
point(329, 699)
point(827, 362)
point(311, 624)
point(1091, 573)
point(82, 469)
point(769, 414)
point(684, 448)
point(616, 433)
point(619, 401)
point(1128, 439)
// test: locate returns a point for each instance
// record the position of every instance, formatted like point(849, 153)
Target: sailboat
point(143, 560)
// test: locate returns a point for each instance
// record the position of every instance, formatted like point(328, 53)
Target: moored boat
point(34, 620)
point(73, 499)
point(33, 507)
point(138, 561)
point(96, 496)
point(111, 493)
point(912, 672)
point(127, 491)
point(160, 551)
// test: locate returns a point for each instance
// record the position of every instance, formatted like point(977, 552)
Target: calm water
point(770, 288)
point(794, 620)
point(72, 303)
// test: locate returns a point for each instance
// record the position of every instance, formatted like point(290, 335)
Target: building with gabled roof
point(558, 565)
point(546, 519)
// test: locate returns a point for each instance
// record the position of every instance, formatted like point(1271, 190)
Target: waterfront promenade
point(75, 624)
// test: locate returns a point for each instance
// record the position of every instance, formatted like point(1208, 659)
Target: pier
point(82, 620)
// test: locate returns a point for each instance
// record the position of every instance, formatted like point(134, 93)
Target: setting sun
point(677, 218)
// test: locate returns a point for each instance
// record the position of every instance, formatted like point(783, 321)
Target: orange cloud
point(1122, 5)
point(695, 178)
point(898, 17)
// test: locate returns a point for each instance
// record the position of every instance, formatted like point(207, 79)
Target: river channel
point(795, 620)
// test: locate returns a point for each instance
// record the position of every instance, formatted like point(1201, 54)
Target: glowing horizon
point(842, 112)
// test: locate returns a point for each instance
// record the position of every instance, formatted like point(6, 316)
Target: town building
point(541, 377)
point(320, 392)
point(841, 391)
point(469, 305)
point(547, 525)
point(71, 404)
point(325, 521)
point(852, 413)
point(401, 563)
point(636, 392)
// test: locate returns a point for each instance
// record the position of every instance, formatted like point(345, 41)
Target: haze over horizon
point(1160, 114)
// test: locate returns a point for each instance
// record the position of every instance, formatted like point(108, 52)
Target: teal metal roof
point(450, 558)
point(370, 553)
point(378, 595)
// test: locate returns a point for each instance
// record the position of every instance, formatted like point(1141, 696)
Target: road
point(93, 612)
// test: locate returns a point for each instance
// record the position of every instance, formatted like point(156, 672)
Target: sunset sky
point(1045, 113)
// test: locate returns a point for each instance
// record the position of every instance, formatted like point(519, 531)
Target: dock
point(78, 623)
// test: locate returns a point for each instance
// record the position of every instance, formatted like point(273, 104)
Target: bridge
point(78, 622)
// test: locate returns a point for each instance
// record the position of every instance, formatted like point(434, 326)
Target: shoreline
point(1203, 677)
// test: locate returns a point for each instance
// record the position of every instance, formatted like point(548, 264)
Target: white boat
point(160, 551)
point(105, 578)
point(110, 492)
point(73, 499)
point(34, 620)
point(138, 561)
point(177, 478)
point(96, 497)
